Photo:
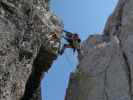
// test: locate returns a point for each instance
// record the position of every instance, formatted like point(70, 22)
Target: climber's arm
point(67, 38)
point(66, 31)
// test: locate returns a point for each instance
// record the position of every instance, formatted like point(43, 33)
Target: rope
point(75, 57)
point(68, 60)
point(65, 54)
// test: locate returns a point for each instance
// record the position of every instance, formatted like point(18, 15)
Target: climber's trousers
point(68, 46)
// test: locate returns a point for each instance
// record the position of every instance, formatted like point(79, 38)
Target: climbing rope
point(68, 60)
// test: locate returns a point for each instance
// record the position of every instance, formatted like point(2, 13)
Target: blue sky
point(84, 17)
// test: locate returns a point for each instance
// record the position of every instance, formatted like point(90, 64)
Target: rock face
point(26, 51)
point(105, 70)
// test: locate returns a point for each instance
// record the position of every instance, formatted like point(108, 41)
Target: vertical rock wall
point(25, 49)
point(105, 70)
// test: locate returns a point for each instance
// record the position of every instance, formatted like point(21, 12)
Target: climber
point(73, 41)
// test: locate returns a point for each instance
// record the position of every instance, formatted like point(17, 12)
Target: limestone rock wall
point(105, 70)
point(25, 49)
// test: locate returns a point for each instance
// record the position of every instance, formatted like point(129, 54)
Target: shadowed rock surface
point(25, 49)
point(105, 70)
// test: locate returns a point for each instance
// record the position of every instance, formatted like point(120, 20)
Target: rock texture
point(105, 70)
point(26, 52)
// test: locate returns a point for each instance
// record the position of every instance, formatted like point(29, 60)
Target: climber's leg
point(63, 48)
point(74, 49)
point(78, 50)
